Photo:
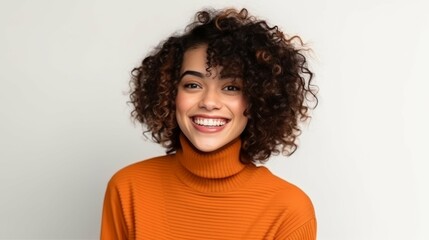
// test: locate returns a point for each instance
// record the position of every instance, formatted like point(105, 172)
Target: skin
point(209, 109)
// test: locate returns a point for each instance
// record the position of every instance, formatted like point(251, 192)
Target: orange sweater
point(195, 195)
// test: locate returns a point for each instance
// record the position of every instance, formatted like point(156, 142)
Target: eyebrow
point(198, 74)
point(193, 73)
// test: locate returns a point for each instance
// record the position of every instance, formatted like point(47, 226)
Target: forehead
point(195, 59)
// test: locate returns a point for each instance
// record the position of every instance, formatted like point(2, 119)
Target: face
point(209, 109)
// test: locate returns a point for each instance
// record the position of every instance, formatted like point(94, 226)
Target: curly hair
point(276, 81)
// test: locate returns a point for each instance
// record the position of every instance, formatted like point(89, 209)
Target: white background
point(65, 125)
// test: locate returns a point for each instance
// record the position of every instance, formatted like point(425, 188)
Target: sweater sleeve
point(113, 225)
point(299, 220)
point(305, 232)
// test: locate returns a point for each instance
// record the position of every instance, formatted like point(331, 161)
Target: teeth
point(210, 122)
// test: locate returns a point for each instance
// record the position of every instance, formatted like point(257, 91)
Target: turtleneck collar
point(219, 170)
point(221, 163)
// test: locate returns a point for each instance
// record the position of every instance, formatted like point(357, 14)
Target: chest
point(180, 213)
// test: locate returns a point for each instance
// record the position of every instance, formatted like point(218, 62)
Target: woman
point(226, 94)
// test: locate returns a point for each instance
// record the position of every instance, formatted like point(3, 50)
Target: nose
point(210, 100)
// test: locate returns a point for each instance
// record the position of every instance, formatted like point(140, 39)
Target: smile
point(209, 122)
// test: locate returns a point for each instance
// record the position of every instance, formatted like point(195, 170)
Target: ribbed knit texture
point(196, 195)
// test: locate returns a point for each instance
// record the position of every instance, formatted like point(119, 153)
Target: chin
point(206, 147)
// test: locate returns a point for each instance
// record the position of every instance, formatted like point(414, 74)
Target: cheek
point(241, 106)
point(179, 102)
point(183, 103)
point(238, 107)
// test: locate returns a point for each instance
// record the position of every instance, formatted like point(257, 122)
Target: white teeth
point(210, 122)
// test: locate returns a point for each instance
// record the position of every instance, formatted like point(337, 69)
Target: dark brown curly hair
point(276, 80)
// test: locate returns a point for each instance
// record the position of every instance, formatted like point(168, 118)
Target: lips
point(210, 121)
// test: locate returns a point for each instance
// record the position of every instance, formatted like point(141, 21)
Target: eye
point(232, 88)
point(191, 85)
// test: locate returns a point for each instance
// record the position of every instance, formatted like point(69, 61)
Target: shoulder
point(146, 170)
point(297, 216)
point(287, 195)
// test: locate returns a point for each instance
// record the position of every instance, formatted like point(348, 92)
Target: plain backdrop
point(65, 126)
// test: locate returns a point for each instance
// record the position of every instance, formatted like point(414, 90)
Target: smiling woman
point(228, 92)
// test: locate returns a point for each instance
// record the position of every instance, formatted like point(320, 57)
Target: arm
point(298, 221)
point(113, 224)
point(305, 232)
